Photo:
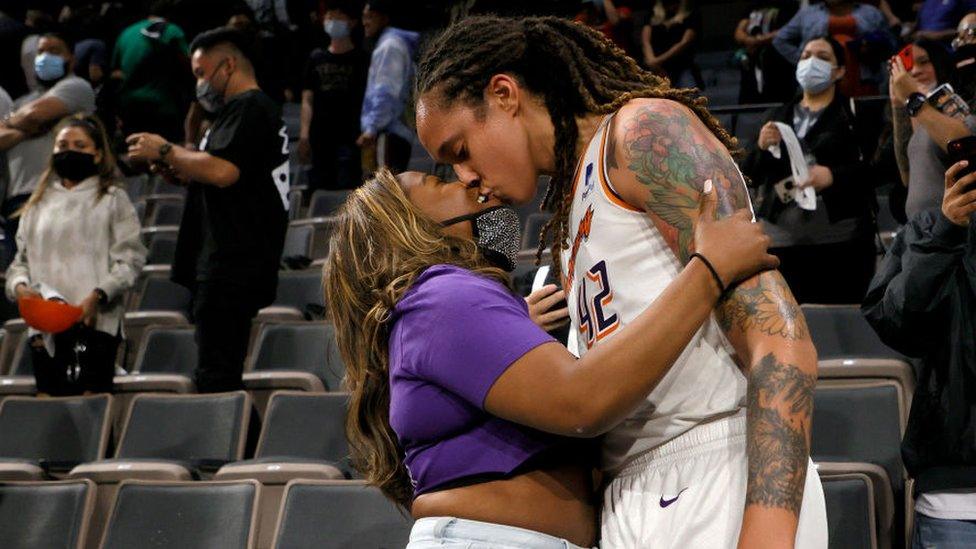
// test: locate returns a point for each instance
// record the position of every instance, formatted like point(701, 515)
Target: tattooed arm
point(660, 156)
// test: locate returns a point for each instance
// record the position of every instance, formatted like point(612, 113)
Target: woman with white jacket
point(78, 241)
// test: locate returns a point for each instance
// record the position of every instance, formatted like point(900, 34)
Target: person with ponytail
point(462, 410)
point(79, 241)
point(718, 453)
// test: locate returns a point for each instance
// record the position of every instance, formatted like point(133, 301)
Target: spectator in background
point(766, 76)
point(155, 89)
point(861, 28)
point(964, 55)
point(233, 227)
point(12, 33)
point(79, 241)
point(668, 39)
point(388, 88)
point(923, 303)
point(27, 136)
point(839, 232)
point(937, 19)
point(91, 53)
point(921, 131)
point(38, 22)
point(332, 99)
point(614, 18)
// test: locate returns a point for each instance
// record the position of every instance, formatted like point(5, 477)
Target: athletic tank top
point(616, 265)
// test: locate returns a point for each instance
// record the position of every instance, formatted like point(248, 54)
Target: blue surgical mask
point(336, 29)
point(814, 74)
point(49, 67)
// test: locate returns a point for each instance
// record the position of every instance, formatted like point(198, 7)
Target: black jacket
point(922, 303)
point(834, 143)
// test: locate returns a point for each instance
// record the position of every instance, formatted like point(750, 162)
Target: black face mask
point(498, 234)
point(74, 165)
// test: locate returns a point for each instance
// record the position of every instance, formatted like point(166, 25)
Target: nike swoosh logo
point(666, 502)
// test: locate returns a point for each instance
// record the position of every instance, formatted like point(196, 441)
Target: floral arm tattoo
point(672, 153)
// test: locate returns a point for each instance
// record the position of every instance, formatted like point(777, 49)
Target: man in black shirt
point(234, 223)
point(332, 96)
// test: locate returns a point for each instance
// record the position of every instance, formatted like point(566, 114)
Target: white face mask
point(814, 74)
point(336, 29)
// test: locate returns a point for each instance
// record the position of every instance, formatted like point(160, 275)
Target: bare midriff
point(556, 500)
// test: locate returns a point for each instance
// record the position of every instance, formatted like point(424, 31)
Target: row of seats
point(199, 515)
point(175, 438)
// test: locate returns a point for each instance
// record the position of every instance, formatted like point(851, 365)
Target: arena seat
point(164, 212)
point(42, 437)
point(747, 126)
point(184, 515)
point(298, 241)
point(294, 203)
point(303, 436)
point(840, 331)
point(531, 228)
point(326, 203)
point(171, 437)
point(293, 355)
point(297, 289)
point(164, 363)
point(863, 421)
point(856, 496)
point(162, 302)
point(162, 249)
point(321, 231)
point(12, 357)
point(339, 514)
point(13, 331)
point(41, 515)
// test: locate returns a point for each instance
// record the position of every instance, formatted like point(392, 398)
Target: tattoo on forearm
point(764, 304)
point(780, 402)
point(672, 153)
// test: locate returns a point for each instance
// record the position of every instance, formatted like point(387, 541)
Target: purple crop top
point(454, 334)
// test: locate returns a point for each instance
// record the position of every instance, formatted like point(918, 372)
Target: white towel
point(806, 197)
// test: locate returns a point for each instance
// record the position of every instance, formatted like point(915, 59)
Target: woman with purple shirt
point(462, 409)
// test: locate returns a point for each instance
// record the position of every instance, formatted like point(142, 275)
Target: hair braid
point(544, 53)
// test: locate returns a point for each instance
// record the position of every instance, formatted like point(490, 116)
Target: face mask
point(49, 67)
point(209, 98)
point(336, 29)
point(498, 233)
point(74, 165)
point(814, 74)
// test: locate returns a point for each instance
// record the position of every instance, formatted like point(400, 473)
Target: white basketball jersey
point(616, 265)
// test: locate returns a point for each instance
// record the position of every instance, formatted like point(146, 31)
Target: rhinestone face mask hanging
point(498, 233)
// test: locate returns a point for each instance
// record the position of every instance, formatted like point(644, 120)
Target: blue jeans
point(933, 533)
point(458, 533)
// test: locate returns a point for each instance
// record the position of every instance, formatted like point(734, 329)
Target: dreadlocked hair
point(545, 54)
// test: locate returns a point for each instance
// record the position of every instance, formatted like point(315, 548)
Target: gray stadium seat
point(840, 331)
point(325, 203)
point(162, 294)
point(162, 250)
point(339, 514)
point(322, 230)
point(747, 126)
point(303, 436)
point(51, 435)
point(13, 330)
point(171, 437)
point(294, 204)
point(293, 355)
point(298, 241)
point(164, 213)
point(184, 515)
point(162, 302)
point(533, 225)
point(850, 492)
point(42, 515)
point(164, 363)
point(298, 289)
point(862, 421)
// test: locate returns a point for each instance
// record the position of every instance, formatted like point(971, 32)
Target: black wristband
point(718, 280)
point(102, 296)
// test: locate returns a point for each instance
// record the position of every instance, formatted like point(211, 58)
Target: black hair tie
point(718, 280)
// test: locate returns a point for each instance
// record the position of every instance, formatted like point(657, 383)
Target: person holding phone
point(810, 244)
point(923, 304)
point(921, 130)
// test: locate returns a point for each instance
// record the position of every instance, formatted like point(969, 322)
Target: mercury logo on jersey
point(582, 234)
point(588, 181)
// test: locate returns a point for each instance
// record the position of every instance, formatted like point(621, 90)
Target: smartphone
point(948, 102)
point(907, 58)
point(963, 149)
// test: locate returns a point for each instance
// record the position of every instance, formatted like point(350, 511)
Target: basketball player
point(719, 452)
